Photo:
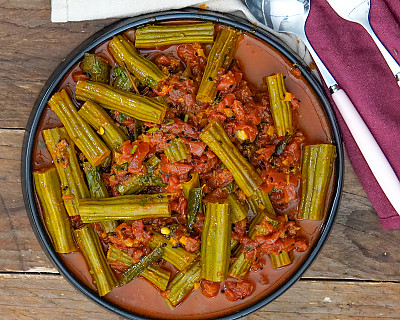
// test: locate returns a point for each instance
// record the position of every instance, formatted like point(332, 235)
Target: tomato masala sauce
point(257, 60)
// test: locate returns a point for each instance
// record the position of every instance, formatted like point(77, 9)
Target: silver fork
point(358, 11)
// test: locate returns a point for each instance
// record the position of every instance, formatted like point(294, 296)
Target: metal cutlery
point(358, 11)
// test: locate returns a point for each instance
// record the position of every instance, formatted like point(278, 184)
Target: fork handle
point(392, 63)
point(369, 148)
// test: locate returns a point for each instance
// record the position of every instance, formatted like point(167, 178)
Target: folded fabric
point(345, 48)
point(353, 59)
point(78, 10)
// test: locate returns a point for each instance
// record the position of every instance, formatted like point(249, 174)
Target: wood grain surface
point(356, 275)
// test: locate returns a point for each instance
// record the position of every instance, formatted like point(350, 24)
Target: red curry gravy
point(257, 60)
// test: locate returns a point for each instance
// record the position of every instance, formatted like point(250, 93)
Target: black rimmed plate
point(108, 32)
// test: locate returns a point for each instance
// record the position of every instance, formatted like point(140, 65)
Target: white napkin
point(79, 10)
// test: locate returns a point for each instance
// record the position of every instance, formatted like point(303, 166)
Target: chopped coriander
point(160, 183)
point(122, 167)
point(152, 130)
point(168, 121)
point(149, 81)
point(134, 149)
point(96, 66)
point(120, 72)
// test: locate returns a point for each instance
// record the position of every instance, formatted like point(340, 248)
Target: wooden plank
point(51, 297)
point(334, 300)
point(45, 297)
point(19, 249)
point(30, 51)
point(356, 249)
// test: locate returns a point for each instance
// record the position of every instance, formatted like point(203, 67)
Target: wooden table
point(356, 276)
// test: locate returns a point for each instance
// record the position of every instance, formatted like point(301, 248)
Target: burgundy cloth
point(357, 65)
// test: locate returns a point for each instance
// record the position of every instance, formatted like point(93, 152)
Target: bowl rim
point(120, 26)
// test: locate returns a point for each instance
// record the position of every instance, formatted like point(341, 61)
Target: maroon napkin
point(357, 65)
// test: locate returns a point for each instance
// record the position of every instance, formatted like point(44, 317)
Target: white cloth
point(79, 10)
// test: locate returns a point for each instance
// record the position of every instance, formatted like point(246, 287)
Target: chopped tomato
point(190, 53)
point(112, 180)
point(198, 225)
point(250, 249)
point(290, 193)
point(250, 131)
point(216, 115)
point(219, 178)
point(255, 113)
point(239, 110)
point(239, 230)
point(176, 168)
point(224, 177)
point(135, 165)
point(124, 229)
point(217, 195)
point(192, 244)
point(179, 205)
point(209, 289)
point(173, 184)
point(238, 76)
point(167, 64)
point(266, 153)
point(137, 255)
point(226, 82)
point(79, 75)
point(267, 239)
point(227, 101)
point(279, 180)
point(292, 152)
point(301, 245)
point(138, 231)
point(131, 237)
point(180, 127)
point(162, 59)
point(204, 164)
point(164, 90)
point(189, 99)
point(125, 156)
point(129, 123)
point(197, 147)
point(243, 92)
point(163, 159)
point(235, 290)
